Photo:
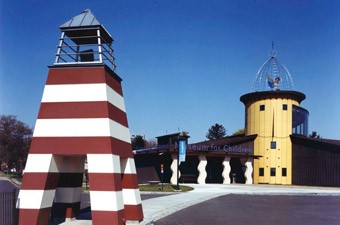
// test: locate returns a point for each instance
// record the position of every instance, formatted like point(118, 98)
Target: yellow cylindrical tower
point(269, 115)
point(273, 113)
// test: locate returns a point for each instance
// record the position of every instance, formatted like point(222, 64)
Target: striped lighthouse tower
point(81, 118)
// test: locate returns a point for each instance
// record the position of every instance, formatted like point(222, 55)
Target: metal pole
point(162, 168)
point(162, 181)
point(162, 172)
point(100, 47)
point(59, 47)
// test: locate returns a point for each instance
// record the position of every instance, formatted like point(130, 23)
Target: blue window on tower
point(273, 145)
point(284, 107)
point(262, 107)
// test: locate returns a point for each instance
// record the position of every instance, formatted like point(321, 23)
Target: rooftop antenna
point(272, 52)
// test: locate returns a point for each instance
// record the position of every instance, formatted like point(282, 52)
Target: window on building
point(284, 107)
point(261, 172)
point(273, 145)
point(272, 172)
point(284, 172)
point(262, 107)
point(300, 121)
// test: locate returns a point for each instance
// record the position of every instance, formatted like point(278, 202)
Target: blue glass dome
point(272, 75)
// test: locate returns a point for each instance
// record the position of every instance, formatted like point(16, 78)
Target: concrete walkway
point(156, 208)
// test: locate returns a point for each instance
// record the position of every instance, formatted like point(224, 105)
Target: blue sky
point(184, 63)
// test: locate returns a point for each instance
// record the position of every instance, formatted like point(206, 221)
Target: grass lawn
point(155, 188)
point(166, 187)
point(11, 175)
point(142, 187)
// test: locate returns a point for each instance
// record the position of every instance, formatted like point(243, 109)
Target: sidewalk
point(156, 208)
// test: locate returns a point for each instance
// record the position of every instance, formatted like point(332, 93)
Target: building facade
point(226, 160)
point(275, 148)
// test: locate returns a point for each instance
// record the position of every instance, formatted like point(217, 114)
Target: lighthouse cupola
point(84, 40)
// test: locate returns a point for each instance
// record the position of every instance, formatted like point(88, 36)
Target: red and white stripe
point(82, 114)
point(131, 196)
point(69, 189)
point(38, 188)
point(105, 187)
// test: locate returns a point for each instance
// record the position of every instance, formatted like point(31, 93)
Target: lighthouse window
point(284, 172)
point(300, 120)
point(284, 107)
point(262, 107)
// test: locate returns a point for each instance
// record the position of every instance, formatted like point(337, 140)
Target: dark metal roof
point(298, 96)
point(84, 19)
point(169, 135)
point(85, 25)
point(226, 141)
point(231, 140)
point(316, 143)
point(185, 134)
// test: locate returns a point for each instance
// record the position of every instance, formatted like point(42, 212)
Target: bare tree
point(151, 143)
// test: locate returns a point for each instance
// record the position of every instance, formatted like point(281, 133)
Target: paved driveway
point(259, 210)
point(6, 185)
point(216, 204)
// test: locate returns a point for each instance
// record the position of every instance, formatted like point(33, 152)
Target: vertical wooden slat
point(7, 208)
